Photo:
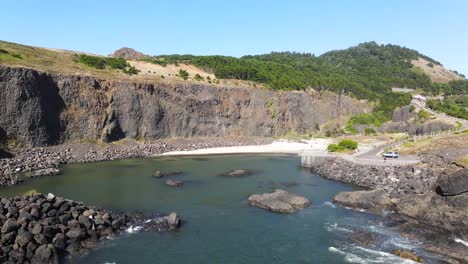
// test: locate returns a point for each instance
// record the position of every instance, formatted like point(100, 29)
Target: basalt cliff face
point(41, 109)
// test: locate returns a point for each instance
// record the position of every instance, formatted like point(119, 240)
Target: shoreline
point(53, 157)
point(276, 147)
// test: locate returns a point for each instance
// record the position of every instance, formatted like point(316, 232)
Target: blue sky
point(438, 28)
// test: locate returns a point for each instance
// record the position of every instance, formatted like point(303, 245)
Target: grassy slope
point(61, 61)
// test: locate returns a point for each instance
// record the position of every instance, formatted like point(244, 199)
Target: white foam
point(458, 240)
point(329, 204)
point(109, 263)
point(363, 255)
point(349, 257)
point(335, 227)
point(147, 221)
point(132, 229)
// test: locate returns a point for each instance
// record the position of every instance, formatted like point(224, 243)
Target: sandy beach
point(277, 147)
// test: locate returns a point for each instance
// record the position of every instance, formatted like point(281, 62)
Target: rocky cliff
point(41, 109)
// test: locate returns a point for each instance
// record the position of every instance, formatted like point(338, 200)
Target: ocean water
point(218, 224)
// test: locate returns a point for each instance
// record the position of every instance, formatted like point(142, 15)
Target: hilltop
point(365, 71)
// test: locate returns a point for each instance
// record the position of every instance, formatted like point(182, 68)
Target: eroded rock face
point(279, 201)
point(43, 228)
point(374, 200)
point(453, 184)
point(40, 109)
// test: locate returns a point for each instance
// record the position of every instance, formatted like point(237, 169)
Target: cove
point(218, 224)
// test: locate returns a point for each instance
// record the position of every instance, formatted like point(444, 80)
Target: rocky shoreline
point(429, 202)
point(44, 229)
point(34, 159)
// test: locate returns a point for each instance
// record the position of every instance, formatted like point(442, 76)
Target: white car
point(391, 154)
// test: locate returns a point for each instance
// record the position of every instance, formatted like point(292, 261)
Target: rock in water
point(173, 220)
point(46, 172)
point(363, 238)
point(238, 173)
point(160, 174)
point(406, 254)
point(373, 201)
point(157, 174)
point(279, 201)
point(174, 183)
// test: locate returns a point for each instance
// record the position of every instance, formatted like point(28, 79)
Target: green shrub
point(105, 62)
point(348, 144)
point(423, 115)
point(449, 107)
point(131, 70)
point(2, 51)
point(369, 131)
point(198, 77)
point(183, 74)
point(334, 148)
point(362, 119)
point(344, 145)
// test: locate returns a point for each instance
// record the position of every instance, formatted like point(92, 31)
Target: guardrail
point(312, 158)
point(398, 142)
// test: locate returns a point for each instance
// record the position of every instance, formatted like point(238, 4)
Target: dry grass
point(463, 161)
point(61, 61)
point(378, 139)
point(431, 144)
point(437, 73)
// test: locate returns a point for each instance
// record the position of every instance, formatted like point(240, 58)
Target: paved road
point(440, 115)
point(373, 154)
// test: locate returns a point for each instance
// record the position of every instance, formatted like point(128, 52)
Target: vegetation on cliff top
point(105, 62)
point(365, 71)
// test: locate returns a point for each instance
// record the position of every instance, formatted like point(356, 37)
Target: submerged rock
point(407, 254)
point(174, 183)
point(160, 174)
point(45, 172)
point(238, 173)
point(363, 238)
point(279, 201)
point(374, 200)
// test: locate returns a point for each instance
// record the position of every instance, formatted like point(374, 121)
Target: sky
point(437, 28)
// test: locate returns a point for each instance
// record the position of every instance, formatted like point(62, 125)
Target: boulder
point(173, 220)
point(453, 184)
point(9, 226)
point(279, 201)
point(45, 254)
point(373, 201)
point(174, 183)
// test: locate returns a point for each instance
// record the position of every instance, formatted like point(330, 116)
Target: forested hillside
point(365, 71)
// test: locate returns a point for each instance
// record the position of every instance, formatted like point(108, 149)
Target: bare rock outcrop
point(373, 200)
point(279, 201)
point(38, 109)
point(128, 54)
